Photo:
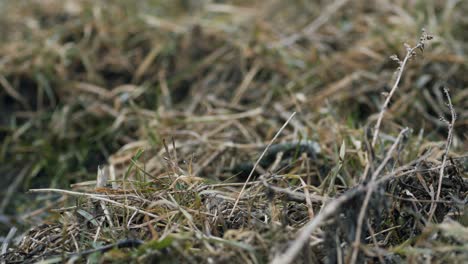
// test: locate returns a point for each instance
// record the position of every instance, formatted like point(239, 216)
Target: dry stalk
point(374, 240)
point(331, 208)
point(258, 161)
point(304, 234)
point(450, 126)
point(410, 52)
point(369, 191)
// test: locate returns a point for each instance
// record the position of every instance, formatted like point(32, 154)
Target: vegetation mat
point(233, 131)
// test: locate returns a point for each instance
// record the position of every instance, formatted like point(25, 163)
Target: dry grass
point(241, 132)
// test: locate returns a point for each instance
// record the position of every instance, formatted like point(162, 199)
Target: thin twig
point(410, 52)
point(303, 235)
point(258, 161)
point(446, 151)
point(362, 213)
point(374, 240)
point(331, 208)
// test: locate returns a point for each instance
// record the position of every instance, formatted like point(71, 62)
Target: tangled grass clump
point(237, 132)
